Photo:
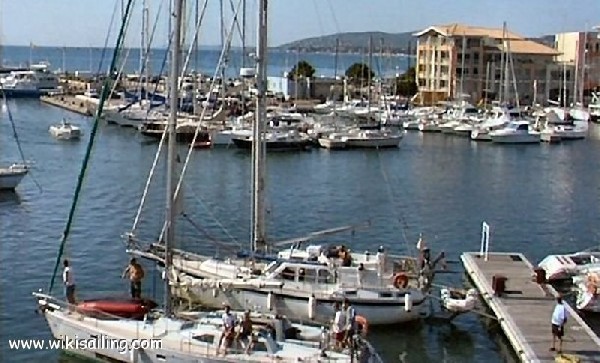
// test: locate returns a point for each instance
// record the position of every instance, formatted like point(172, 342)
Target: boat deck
point(525, 308)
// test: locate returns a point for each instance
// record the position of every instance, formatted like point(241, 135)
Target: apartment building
point(459, 60)
point(580, 51)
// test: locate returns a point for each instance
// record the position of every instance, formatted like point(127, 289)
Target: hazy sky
point(85, 22)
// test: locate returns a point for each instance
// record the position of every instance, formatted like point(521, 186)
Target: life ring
point(362, 324)
point(400, 280)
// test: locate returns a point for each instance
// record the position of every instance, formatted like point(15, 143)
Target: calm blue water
point(86, 59)
point(538, 199)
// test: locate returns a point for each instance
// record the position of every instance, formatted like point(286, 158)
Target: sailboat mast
point(171, 129)
point(258, 145)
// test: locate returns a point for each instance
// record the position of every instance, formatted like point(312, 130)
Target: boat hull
point(11, 179)
point(296, 307)
point(332, 144)
point(274, 145)
point(17, 93)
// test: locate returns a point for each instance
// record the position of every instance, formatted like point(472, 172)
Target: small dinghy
point(458, 301)
point(65, 131)
point(116, 307)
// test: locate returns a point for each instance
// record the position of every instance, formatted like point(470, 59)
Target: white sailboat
point(11, 176)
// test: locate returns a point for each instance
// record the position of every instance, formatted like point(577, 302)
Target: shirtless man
point(136, 274)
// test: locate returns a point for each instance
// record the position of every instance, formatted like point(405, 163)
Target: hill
point(355, 42)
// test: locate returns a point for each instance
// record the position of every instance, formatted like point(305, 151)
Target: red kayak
point(121, 307)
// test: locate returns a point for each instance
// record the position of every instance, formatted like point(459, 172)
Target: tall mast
point(243, 33)
point(171, 182)
point(258, 146)
point(370, 70)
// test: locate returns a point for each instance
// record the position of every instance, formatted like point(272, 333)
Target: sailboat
point(164, 335)
point(303, 289)
point(11, 176)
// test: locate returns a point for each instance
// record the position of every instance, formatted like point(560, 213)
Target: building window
point(475, 70)
point(443, 83)
point(444, 55)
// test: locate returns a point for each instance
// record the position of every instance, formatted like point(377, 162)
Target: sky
point(85, 23)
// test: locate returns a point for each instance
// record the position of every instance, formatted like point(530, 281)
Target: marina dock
point(524, 308)
point(70, 103)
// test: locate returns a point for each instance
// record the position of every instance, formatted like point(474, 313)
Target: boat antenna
point(171, 162)
point(258, 144)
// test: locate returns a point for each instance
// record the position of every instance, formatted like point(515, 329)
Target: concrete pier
point(70, 103)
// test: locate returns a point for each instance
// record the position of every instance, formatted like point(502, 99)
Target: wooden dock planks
point(524, 311)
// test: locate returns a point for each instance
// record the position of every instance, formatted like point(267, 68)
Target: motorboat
point(32, 82)
point(65, 131)
point(374, 139)
point(516, 132)
point(11, 176)
point(185, 132)
point(333, 141)
point(427, 125)
point(564, 267)
point(565, 129)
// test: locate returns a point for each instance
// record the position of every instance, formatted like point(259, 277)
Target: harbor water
point(538, 199)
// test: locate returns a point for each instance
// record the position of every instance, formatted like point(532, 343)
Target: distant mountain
point(355, 42)
point(359, 42)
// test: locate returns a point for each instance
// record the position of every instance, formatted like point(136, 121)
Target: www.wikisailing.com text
point(76, 343)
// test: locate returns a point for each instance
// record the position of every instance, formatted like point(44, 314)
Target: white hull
point(65, 133)
point(296, 304)
point(332, 143)
point(178, 341)
point(480, 135)
point(11, 177)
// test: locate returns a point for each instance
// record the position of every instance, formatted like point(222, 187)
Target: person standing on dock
point(136, 274)
point(559, 319)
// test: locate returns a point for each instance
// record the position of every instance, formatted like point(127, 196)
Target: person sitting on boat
point(245, 333)
point(69, 283)
point(339, 326)
point(346, 259)
point(350, 320)
point(228, 329)
point(136, 274)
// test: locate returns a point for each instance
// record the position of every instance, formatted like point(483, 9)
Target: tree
point(406, 84)
point(359, 72)
point(302, 70)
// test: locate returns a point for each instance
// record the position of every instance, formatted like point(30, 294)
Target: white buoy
point(312, 306)
point(408, 302)
point(270, 301)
